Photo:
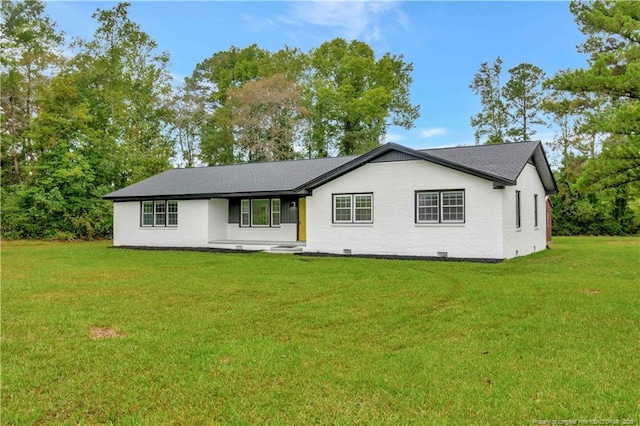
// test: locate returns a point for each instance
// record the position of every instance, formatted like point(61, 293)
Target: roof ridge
point(263, 162)
point(478, 146)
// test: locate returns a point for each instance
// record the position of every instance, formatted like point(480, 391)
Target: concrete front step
point(285, 249)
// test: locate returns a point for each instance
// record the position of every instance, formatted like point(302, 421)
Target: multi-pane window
point(159, 213)
point(275, 212)
point(440, 206)
point(260, 212)
point(172, 213)
point(245, 213)
point(342, 208)
point(147, 213)
point(353, 208)
point(518, 215)
point(363, 208)
point(453, 206)
point(428, 206)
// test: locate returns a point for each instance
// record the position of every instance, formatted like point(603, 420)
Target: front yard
point(92, 334)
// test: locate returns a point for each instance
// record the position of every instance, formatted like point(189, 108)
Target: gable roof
point(500, 163)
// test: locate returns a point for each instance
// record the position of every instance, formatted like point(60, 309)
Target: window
point(342, 208)
point(275, 212)
point(353, 208)
point(244, 213)
point(159, 213)
point(440, 206)
point(535, 210)
point(172, 211)
point(147, 213)
point(427, 207)
point(260, 212)
point(518, 220)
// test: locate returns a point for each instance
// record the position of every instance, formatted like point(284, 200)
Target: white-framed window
point(535, 210)
point(342, 208)
point(275, 212)
point(353, 208)
point(172, 213)
point(428, 206)
point(245, 213)
point(260, 212)
point(441, 206)
point(518, 211)
point(147, 213)
point(159, 213)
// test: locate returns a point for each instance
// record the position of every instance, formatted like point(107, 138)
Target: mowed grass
point(212, 338)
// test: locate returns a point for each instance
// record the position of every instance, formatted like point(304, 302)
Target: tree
point(30, 46)
point(211, 80)
point(268, 118)
point(491, 122)
point(127, 85)
point(351, 95)
point(612, 75)
point(188, 118)
point(523, 96)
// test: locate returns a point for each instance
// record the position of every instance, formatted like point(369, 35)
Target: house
point(479, 202)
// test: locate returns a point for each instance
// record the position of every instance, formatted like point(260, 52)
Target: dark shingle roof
point(500, 163)
point(504, 161)
point(206, 182)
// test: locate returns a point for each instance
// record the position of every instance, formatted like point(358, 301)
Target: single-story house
point(480, 202)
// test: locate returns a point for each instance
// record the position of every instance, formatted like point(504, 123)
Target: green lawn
point(260, 338)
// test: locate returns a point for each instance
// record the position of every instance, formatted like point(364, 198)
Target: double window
point(440, 206)
point(260, 212)
point(159, 213)
point(353, 208)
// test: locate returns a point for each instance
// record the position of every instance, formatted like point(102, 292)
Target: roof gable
point(500, 163)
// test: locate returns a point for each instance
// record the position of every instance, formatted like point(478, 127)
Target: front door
point(302, 219)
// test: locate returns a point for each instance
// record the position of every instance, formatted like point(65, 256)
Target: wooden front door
point(302, 219)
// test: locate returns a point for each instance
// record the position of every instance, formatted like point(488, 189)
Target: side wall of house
point(191, 230)
point(394, 229)
point(527, 238)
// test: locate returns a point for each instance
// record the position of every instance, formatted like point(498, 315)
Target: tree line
point(82, 118)
point(595, 112)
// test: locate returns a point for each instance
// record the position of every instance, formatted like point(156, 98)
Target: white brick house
point(477, 202)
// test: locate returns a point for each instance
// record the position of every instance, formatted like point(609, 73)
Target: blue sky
point(445, 41)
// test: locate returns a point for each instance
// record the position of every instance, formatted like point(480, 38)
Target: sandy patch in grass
point(105, 333)
point(588, 291)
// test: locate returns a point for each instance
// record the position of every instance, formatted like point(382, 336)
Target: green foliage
point(350, 96)
point(579, 210)
point(510, 110)
point(523, 96)
point(491, 122)
point(98, 122)
point(613, 77)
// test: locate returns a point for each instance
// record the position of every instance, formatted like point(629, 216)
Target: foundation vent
point(346, 251)
point(442, 253)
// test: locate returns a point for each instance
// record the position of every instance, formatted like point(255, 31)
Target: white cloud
point(433, 131)
point(351, 20)
point(393, 137)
